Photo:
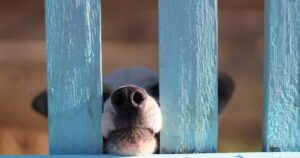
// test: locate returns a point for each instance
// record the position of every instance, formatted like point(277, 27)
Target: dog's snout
point(129, 96)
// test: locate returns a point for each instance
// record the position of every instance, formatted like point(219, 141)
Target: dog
point(132, 118)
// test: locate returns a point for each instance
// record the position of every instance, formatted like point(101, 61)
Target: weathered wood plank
point(282, 63)
point(74, 82)
point(188, 75)
point(214, 155)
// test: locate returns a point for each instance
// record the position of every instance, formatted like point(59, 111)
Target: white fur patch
point(142, 147)
point(108, 118)
point(153, 116)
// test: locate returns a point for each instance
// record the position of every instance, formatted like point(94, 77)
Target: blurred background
point(130, 37)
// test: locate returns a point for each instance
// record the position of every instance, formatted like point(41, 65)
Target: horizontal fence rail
point(215, 155)
point(74, 82)
point(188, 75)
point(282, 75)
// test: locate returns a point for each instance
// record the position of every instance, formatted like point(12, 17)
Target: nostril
point(128, 97)
point(118, 98)
point(138, 97)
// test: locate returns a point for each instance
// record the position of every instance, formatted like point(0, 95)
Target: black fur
point(226, 88)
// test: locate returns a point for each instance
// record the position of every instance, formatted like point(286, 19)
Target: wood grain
point(282, 63)
point(188, 75)
point(74, 76)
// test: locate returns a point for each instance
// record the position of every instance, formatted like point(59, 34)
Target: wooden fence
point(188, 79)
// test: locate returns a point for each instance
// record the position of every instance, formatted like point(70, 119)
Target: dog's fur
point(131, 128)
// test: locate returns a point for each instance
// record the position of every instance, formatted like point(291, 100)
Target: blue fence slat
point(74, 82)
point(282, 76)
point(188, 75)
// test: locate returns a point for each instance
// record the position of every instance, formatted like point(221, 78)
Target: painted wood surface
point(74, 82)
point(207, 155)
point(188, 75)
point(282, 63)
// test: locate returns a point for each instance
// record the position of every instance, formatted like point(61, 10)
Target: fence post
point(74, 82)
point(188, 75)
point(282, 76)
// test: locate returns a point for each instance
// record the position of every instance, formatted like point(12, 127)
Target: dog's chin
point(131, 141)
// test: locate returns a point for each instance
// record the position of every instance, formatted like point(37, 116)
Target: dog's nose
point(129, 96)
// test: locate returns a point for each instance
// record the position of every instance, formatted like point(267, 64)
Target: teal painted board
point(282, 76)
point(207, 155)
point(74, 76)
point(188, 75)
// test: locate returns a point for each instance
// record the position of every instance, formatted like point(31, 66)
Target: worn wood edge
point(203, 155)
point(265, 77)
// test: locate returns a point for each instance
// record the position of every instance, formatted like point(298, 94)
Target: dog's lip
point(135, 127)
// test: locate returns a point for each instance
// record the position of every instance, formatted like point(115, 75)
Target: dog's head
point(131, 116)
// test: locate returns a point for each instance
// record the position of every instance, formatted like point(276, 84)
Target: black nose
point(129, 96)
